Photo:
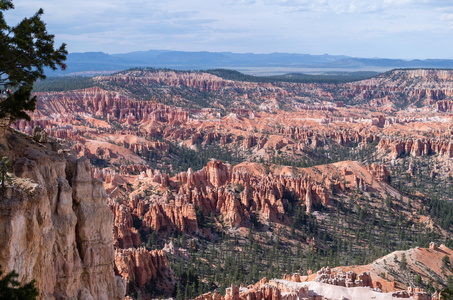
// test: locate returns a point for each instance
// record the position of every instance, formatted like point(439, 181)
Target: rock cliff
point(416, 147)
point(104, 104)
point(144, 266)
point(136, 263)
point(55, 223)
point(402, 86)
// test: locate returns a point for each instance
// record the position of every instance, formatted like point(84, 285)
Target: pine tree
point(10, 288)
point(25, 50)
point(403, 263)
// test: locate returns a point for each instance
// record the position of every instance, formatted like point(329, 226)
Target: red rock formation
point(143, 266)
point(340, 278)
point(235, 193)
point(212, 190)
point(379, 172)
point(312, 137)
point(124, 234)
point(433, 246)
point(294, 277)
point(105, 104)
point(444, 106)
point(208, 188)
point(273, 290)
point(249, 142)
point(217, 173)
point(402, 85)
point(174, 214)
point(202, 81)
point(416, 147)
point(210, 296)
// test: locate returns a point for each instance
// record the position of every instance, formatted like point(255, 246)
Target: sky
point(407, 29)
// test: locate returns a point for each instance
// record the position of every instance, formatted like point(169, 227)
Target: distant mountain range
point(98, 62)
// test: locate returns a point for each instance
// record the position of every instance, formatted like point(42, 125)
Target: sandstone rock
point(169, 215)
point(232, 293)
point(143, 266)
point(340, 278)
point(217, 173)
point(249, 142)
point(444, 106)
point(436, 296)
point(379, 172)
point(416, 147)
point(40, 135)
point(57, 226)
point(175, 251)
point(264, 289)
point(210, 296)
point(294, 277)
point(401, 294)
point(124, 234)
point(421, 296)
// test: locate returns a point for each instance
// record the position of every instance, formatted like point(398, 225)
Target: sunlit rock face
point(56, 224)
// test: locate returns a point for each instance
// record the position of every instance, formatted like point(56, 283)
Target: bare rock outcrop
point(143, 266)
point(40, 135)
point(264, 289)
point(124, 234)
point(341, 278)
point(444, 106)
point(416, 147)
point(427, 85)
point(216, 189)
point(169, 215)
point(379, 172)
point(56, 224)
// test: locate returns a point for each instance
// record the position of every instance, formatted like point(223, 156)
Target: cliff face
point(201, 81)
point(429, 86)
point(55, 223)
point(144, 266)
point(105, 104)
point(136, 263)
point(416, 147)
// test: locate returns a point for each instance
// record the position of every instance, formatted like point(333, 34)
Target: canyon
point(194, 177)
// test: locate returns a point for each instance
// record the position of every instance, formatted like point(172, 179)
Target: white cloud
point(338, 6)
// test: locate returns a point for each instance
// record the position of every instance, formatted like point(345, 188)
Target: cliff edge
point(55, 223)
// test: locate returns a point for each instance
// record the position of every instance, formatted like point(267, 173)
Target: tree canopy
point(10, 288)
point(25, 50)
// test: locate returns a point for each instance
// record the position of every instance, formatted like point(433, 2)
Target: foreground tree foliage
point(10, 288)
point(25, 50)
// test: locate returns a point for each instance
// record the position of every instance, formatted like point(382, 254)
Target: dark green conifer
point(25, 50)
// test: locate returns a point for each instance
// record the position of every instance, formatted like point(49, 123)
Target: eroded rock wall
point(55, 224)
point(144, 266)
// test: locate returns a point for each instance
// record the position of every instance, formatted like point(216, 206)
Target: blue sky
point(405, 29)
